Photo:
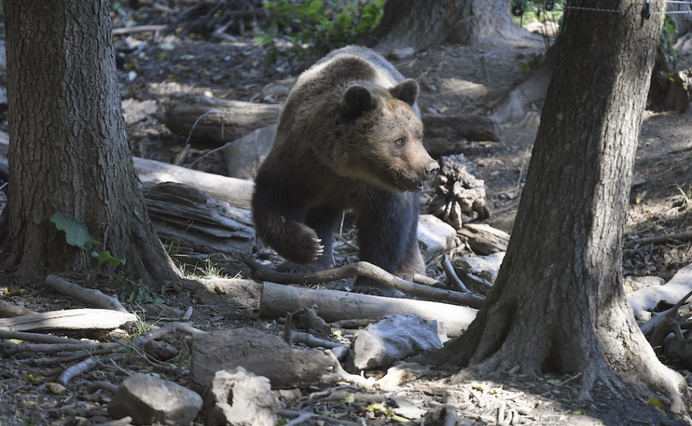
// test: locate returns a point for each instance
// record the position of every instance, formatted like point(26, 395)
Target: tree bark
point(558, 303)
point(69, 152)
point(421, 24)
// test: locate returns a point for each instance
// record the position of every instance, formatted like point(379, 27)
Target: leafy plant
point(669, 30)
point(316, 27)
point(532, 62)
point(136, 292)
point(77, 235)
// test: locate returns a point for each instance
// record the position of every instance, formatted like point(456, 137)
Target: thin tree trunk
point(558, 303)
point(69, 152)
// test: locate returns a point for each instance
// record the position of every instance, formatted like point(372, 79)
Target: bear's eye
point(400, 142)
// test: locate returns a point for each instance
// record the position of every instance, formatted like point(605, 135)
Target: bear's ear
point(357, 100)
point(406, 91)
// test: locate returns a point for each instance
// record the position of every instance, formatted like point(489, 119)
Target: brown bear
point(349, 137)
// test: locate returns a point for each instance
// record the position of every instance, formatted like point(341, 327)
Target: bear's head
point(382, 132)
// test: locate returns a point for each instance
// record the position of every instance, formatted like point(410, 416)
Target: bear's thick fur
point(349, 136)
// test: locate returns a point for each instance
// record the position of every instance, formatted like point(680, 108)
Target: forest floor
point(454, 79)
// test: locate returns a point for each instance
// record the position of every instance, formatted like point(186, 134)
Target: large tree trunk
point(421, 24)
point(69, 152)
point(558, 302)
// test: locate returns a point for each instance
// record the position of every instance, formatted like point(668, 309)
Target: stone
point(150, 400)
point(240, 398)
point(394, 338)
point(436, 237)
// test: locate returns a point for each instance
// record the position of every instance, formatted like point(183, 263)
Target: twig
point(452, 277)
point(669, 323)
point(139, 29)
point(662, 239)
point(101, 384)
point(76, 370)
point(168, 328)
point(312, 341)
point(369, 270)
point(326, 419)
point(9, 348)
point(125, 421)
point(36, 337)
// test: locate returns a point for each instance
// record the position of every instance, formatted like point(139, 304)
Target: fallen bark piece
point(240, 398)
point(395, 338)
point(236, 192)
point(336, 305)
point(89, 296)
point(203, 118)
point(149, 400)
point(76, 370)
point(189, 218)
point(71, 319)
point(9, 310)
point(445, 135)
point(399, 374)
point(264, 355)
point(484, 239)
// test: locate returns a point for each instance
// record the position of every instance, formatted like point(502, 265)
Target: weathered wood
point(8, 309)
point(220, 120)
point(484, 239)
point(236, 192)
point(336, 305)
point(446, 135)
point(89, 296)
point(187, 216)
point(72, 319)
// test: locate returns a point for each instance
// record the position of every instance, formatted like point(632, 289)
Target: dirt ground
point(454, 79)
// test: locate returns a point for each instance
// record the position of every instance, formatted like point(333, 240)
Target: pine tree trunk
point(69, 152)
point(558, 304)
point(421, 24)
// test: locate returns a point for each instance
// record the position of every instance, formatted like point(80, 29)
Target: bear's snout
point(431, 170)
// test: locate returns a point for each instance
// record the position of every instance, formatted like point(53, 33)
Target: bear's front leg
point(387, 236)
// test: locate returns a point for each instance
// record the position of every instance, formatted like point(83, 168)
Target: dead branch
point(365, 269)
point(9, 348)
point(337, 305)
point(167, 329)
point(70, 319)
point(89, 296)
point(452, 277)
point(8, 309)
point(662, 239)
point(76, 370)
point(139, 29)
point(36, 337)
point(670, 323)
point(312, 341)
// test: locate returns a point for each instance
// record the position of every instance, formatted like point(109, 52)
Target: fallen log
point(484, 239)
point(188, 217)
point(334, 305)
point(236, 192)
point(203, 118)
point(8, 309)
point(71, 319)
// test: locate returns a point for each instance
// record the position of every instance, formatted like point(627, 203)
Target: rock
point(135, 111)
point(240, 398)
point(435, 237)
point(150, 400)
point(244, 155)
point(633, 284)
point(405, 408)
point(394, 338)
point(402, 53)
point(485, 267)
point(263, 355)
point(647, 298)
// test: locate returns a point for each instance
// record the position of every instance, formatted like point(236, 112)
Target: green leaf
point(350, 398)
point(578, 412)
point(400, 419)
point(656, 402)
point(376, 407)
point(76, 233)
point(105, 256)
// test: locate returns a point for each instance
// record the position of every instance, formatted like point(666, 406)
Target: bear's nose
point(431, 169)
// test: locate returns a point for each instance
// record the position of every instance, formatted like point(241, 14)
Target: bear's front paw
point(308, 248)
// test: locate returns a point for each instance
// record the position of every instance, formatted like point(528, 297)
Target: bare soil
point(454, 79)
